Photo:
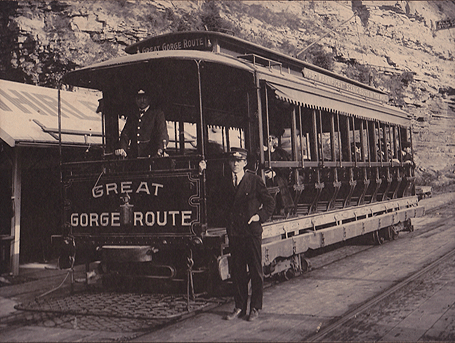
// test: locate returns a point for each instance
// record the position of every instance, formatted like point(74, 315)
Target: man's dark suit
point(251, 197)
point(143, 136)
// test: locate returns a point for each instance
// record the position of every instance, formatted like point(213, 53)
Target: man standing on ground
point(247, 204)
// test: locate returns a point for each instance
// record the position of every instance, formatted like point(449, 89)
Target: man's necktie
point(235, 181)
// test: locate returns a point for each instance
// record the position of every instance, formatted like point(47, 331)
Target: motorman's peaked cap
point(238, 153)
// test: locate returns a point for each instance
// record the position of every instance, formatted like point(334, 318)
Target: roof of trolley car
point(238, 47)
point(287, 87)
point(304, 91)
point(84, 76)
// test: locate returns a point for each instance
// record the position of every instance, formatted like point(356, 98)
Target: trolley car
point(156, 218)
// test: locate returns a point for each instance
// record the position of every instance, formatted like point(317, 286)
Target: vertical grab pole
point(261, 128)
point(368, 143)
point(353, 140)
point(314, 147)
point(103, 135)
point(362, 140)
point(381, 142)
point(340, 152)
point(16, 204)
point(201, 118)
point(301, 135)
point(332, 138)
point(269, 153)
point(59, 114)
point(202, 132)
point(294, 134)
point(321, 147)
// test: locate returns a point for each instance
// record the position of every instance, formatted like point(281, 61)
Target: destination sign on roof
point(328, 80)
point(174, 43)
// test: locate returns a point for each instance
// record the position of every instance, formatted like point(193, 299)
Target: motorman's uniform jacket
point(143, 135)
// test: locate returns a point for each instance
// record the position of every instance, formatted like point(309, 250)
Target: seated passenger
point(406, 154)
point(380, 155)
point(355, 152)
point(389, 152)
point(279, 176)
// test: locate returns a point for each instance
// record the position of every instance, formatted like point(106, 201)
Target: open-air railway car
point(155, 218)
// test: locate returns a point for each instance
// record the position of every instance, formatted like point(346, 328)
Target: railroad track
point(342, 322)
point(340, 328)
point(69, 313)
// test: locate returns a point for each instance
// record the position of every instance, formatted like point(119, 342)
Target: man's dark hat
point(238, 153)
point(406, 144)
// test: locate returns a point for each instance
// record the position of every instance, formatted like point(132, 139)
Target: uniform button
point(138, 135)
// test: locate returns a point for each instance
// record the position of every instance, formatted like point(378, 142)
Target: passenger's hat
point(406, 144)
point(276, 132)
point(238, 153)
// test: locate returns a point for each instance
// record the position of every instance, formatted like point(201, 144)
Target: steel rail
point(370, 303)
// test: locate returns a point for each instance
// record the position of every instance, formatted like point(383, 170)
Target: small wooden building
point(30, 150)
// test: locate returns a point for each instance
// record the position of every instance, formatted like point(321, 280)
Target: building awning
point(29, 116)
point(324, 99)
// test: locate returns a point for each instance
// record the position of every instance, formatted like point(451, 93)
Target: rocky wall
point(41, 40)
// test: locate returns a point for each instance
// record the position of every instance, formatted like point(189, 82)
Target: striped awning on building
point(29, 116)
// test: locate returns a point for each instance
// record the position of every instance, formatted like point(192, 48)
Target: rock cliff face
point(394, 46)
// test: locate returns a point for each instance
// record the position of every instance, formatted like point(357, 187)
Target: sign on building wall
point(27, 112)
point(445, 24)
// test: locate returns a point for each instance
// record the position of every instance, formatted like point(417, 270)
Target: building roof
point(29, 116)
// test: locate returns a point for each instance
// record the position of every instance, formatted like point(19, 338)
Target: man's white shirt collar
point(239, 175)
point(141, 112)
